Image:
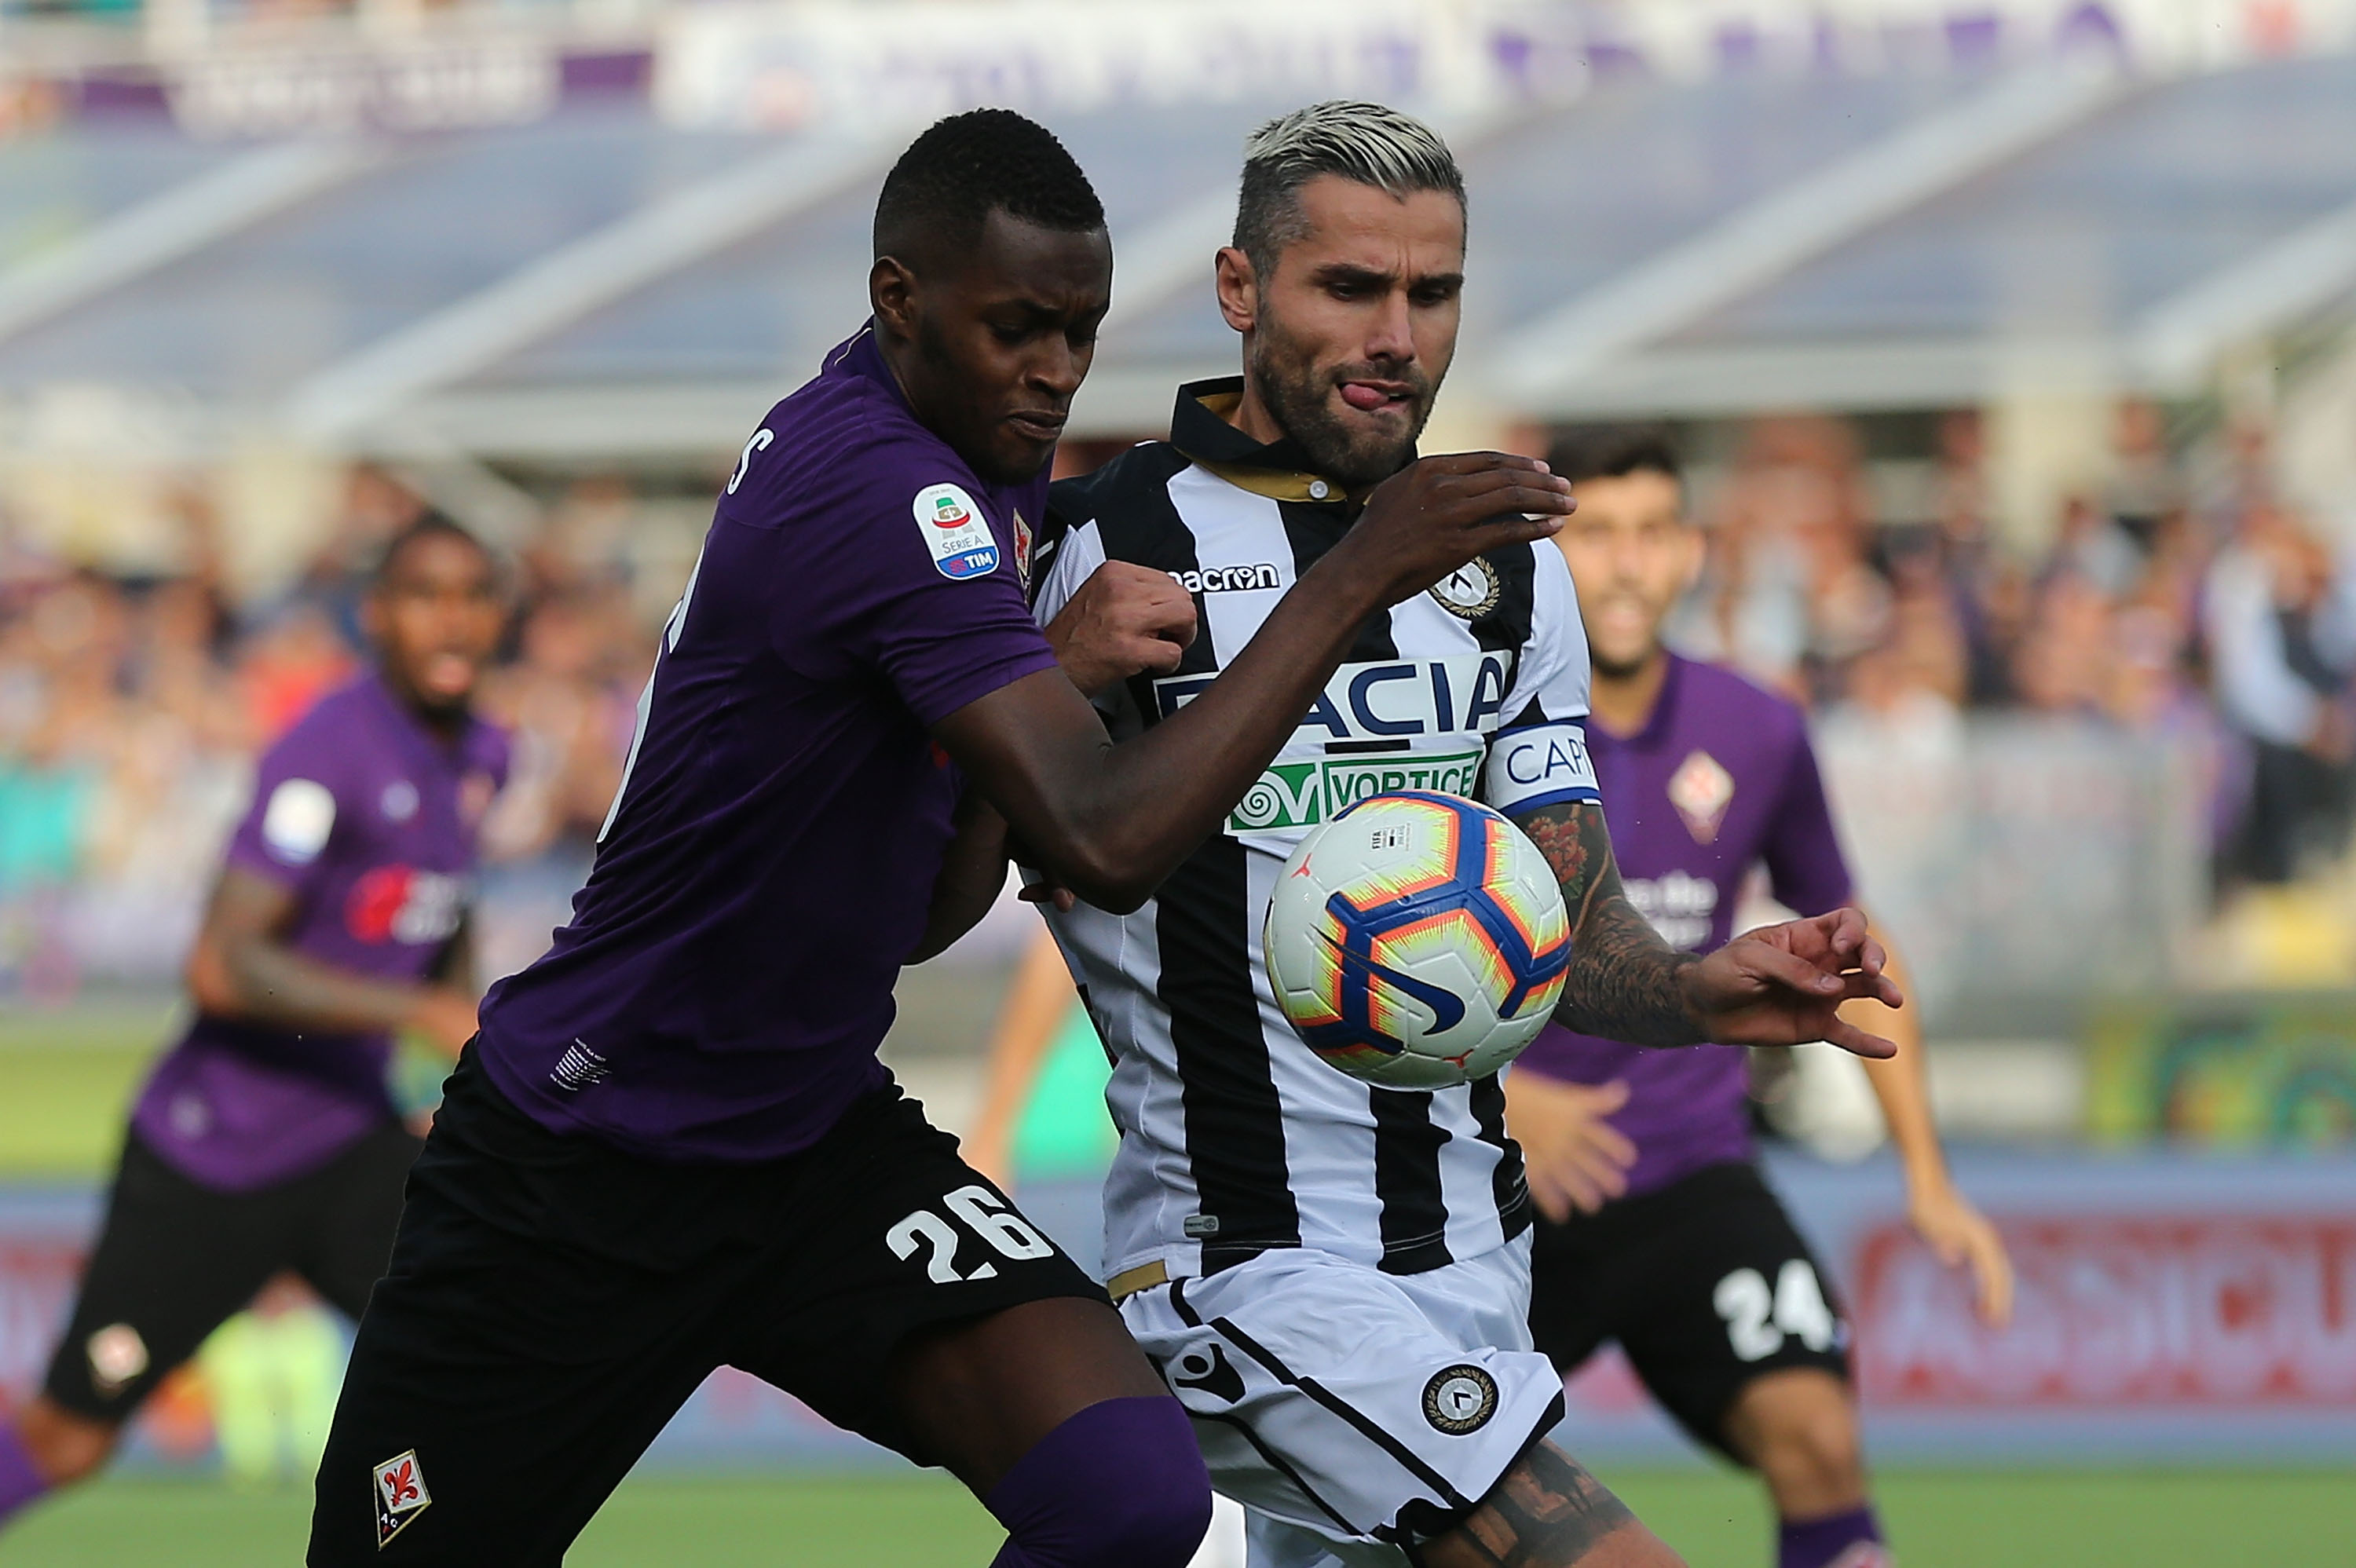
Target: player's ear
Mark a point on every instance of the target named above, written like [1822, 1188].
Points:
[891, 295]
[372, 614]
[1696, 554]
[1238, 289]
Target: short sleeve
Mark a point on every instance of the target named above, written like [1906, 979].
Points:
[1082, 552]
[1539, 757]
[299, 792]
[1804, 865]
[922, 587]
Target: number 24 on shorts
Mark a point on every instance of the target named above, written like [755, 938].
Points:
[1756, 1321]
[1007, 1233]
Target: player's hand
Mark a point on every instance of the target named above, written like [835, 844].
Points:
[1437, 513]
[1959, 1234]
[1125, 620]
[1784, 985]
[445, 1016]
[1575, 1157]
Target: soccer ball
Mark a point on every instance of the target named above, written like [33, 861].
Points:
[1416, 941]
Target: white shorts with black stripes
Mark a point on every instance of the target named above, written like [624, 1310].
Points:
[1348, 1409]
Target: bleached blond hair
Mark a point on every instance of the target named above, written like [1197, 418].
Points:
[1367, 143]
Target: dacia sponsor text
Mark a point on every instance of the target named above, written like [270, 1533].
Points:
[1388, 701]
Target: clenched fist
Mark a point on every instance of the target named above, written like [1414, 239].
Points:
[1125, 620]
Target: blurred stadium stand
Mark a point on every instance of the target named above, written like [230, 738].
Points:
[2011, 342]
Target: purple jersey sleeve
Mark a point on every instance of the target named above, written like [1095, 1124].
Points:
[299, 791]
[926, 593]
[1803, 854]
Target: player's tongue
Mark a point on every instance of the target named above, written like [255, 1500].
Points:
[1365, 398]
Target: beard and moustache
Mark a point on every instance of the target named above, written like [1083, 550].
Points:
[1284, 372]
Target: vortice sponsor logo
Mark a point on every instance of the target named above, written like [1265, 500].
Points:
[1302, 795]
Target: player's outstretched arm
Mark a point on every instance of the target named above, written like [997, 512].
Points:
[1111, 821]
[241, 967]
[1125, 620]
[1948, 1222]
[1780, 985]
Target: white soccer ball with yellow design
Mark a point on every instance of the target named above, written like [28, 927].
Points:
[1416, 941]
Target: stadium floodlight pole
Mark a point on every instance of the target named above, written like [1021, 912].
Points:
[175, 223]
[594, 270]
[2180, 337]
[1770, 236]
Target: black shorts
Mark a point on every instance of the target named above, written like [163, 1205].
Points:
[1706, 1285]
[553, 1302]
[176, 1257]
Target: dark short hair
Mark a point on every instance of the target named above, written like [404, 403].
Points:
[1367, 143]
[966, 167]
[1614, 451]
[429, 525]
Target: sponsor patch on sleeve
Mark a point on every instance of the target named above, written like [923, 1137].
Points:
[1545, 765]
[298, 821]
[956, 533]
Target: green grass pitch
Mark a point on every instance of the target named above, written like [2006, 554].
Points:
[65, 1079]
[1937, 1519]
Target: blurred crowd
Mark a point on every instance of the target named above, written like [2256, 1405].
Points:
[131, 709]
[2179, 598]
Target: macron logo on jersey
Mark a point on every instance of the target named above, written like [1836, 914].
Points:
[956, 533]
[1230, 578]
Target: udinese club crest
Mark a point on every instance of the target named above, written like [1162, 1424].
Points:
[1459, 1399]
[1470, 592]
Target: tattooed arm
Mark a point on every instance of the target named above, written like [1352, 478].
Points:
[1625, 980]
[1546, 1513]
[1780, 985]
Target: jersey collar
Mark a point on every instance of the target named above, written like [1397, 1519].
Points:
[1658, 722]
[425, 746]
[1279, 470]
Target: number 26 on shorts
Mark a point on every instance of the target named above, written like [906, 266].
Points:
[1005, 1231]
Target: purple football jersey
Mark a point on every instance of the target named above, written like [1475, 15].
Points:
[369, 817]
[771, 854]
[1720, 780]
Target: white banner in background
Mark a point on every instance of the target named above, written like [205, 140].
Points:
[779, 66]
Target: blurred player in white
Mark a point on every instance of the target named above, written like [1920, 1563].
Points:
[1657, 1230]
[1334, 1277]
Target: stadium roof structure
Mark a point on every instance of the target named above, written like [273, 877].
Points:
[600, 284]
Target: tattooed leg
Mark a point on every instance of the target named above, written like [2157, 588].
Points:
[1546, 1513]
[1625, 983]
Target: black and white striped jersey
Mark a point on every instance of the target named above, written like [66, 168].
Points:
[1233, 1138]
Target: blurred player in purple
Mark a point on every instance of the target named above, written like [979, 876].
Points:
[267, 1139]
[1658, 1230]
[671, 1147]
